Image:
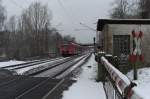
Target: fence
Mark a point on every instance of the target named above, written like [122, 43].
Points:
[116, 84]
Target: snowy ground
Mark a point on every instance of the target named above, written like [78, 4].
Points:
[86, 87]
[143, 82]
[11, 62]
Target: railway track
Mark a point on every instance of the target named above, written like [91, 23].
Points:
[29, 87]
[37, 72]
[18, 86]
[58, 68]
[49, 66]
[70, 67]
[5, 80]
[41, 88]
[37, 65]
[21, 68]
[23, 65]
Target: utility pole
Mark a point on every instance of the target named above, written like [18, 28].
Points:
[94, 45]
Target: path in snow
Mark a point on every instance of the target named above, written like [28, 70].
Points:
[86, 87]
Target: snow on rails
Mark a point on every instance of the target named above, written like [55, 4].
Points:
[21, 68]
[39, 67]
[27, 87]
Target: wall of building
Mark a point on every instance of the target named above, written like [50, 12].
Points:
[121, 29]
[106, 40]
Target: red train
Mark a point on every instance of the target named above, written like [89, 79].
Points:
[69, 49]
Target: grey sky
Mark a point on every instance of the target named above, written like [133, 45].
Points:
[67, 14]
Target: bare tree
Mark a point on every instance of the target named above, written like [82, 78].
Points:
[35, 22]
[2, 16]
[3, 35]
[55, 39]
[144, 9]
[31, 34]
[13, 39]
[125, 9]
[12, 24]
[120, 9]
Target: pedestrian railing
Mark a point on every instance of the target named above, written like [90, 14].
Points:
[116, 84]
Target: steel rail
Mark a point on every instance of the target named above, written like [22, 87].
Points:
[11, 81]
[22, 64]
[26, 63]
[70, 65]
[18, 78]
[35, 63]
[28, 92]
[69, 71]
[52, 66]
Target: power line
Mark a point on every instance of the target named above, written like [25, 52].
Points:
[27, 1]
[14, 2]
[74, 16]
[87, 26]
[84, 25]
[60, 3]
[65, 11]
[62, 6]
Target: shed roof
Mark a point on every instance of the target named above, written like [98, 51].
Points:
[102, 22]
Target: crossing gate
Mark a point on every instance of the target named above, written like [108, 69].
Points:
[116, 84]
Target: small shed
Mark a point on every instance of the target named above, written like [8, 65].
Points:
[115, 36]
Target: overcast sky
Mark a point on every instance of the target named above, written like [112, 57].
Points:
[68, 14]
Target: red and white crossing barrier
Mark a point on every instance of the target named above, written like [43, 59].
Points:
[123, 84]
[120, 79]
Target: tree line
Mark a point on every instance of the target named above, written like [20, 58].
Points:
[29, 34]
[129, 9]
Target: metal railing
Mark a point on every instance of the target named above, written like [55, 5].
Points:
[116, 84]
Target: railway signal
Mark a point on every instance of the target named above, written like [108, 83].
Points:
[137, 50]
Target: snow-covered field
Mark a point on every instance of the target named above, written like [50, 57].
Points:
[11, 62]
[143, 82]
[86, 87]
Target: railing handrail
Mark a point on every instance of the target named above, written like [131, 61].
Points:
[120, 79]
[123, 84]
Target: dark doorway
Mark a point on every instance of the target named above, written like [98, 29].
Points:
[121, 47]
